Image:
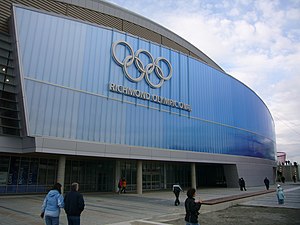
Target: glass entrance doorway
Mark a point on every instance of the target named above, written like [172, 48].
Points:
[92, 175]
[153, 176]
[210, 175]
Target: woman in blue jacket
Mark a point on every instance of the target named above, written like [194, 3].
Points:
[52, 204]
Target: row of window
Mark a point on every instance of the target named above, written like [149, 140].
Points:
[37, 175]
[26, 174]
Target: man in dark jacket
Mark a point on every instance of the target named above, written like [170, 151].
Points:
[242, 184]
[267, 183]
[192, 207]
[74, 205]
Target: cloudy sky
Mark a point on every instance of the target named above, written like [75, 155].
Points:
[258, 42]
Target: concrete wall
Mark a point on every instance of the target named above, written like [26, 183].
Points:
[255, 173]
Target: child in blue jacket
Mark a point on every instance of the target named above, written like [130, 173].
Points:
[280, 195]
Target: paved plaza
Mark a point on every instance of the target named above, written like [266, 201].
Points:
[149, 208]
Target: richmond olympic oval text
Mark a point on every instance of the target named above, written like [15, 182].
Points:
[149, 97]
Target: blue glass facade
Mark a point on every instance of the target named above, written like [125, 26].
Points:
[67, 67]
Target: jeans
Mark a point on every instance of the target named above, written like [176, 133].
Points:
[73, 220]
[51, 220]
[187, 223]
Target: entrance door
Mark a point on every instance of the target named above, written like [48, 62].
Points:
[210, 175]
[152, 180]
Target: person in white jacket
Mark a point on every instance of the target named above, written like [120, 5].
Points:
[176, 190]
[52, 204]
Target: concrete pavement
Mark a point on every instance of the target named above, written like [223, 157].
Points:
[150, 208]
[292, 198]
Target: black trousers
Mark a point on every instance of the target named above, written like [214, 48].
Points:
[177, 202]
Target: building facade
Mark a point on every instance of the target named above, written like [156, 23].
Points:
[92, 93]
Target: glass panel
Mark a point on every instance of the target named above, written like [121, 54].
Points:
[13, 175]
[153, 175]
[105, 170]
[51, 173]
[90, 181]
[13, 170]
[179, 172]
[42, 177]
[33, 171]
[92, 175]
[81, 172]
[74, 171]
[67, 185]
[23, 171]
[128, 171]
[4, 167]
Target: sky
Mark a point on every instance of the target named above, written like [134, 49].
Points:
[255, 41]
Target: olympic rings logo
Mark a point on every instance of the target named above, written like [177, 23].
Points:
[144, 70]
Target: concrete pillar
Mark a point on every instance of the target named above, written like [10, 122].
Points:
[193, 175]
[117, 174]
[139, 177]
[61, 171]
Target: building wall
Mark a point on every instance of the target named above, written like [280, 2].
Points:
[66, 69]
[255, 175]
[65, 66]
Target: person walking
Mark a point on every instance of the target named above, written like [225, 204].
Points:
[242, 184]
[267, 183]
[52, 204]
[124, 184]
[74, 205]
[294, 178]
[176, 190]
[120, 184]
[280, 195]
[192, 208]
